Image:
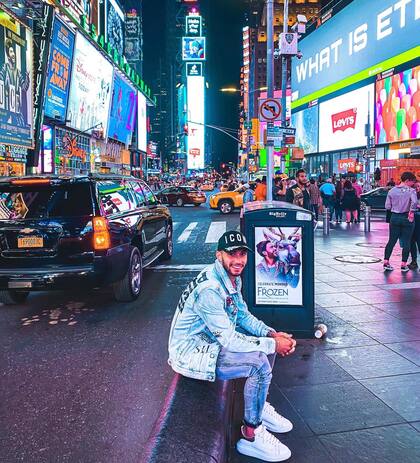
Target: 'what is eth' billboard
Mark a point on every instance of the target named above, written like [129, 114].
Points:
[16, 82]
[363, 39]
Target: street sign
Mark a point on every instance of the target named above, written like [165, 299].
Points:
[289, 139]
[269, 109]
[248, 125]
[369, 153]
[288, 43]
[274, 132]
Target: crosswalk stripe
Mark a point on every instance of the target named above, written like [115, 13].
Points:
[216, 230]
[175, 225]
[187, 232]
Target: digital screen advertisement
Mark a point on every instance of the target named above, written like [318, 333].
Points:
[363, 36]
[122, 116]
[90, 88]
[141, 122]
[278, 264]
[59, 70]
[16, 82]
[397, 107]
[194, 48]
[342, 119]
[196, 132]
[306, 124]
[114, 26]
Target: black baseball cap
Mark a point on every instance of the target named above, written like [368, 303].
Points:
[232, 240]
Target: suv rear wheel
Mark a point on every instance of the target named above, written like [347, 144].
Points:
[13, 297]
[225, 206]
[168, 249]
[128, 289]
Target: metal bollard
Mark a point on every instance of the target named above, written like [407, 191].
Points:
[326, 221]
[368, 212]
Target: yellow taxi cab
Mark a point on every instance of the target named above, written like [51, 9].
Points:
[227, 201]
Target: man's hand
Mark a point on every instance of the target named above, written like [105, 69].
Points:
[283, 339]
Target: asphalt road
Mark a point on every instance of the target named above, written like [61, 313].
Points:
[82, 378]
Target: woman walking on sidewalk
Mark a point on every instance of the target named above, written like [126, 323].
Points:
[402, 202]
[338, 209]
[349, 201]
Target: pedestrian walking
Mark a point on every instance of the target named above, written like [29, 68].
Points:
[248, 195]
[358, 189]
[415, 239]
[261, 189]
[298, 193]
[327, 191]
[338, 201]
[402, 204]
[315, 197]
[204, 344]
[350, 201]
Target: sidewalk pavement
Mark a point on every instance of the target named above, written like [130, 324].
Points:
[353, 396]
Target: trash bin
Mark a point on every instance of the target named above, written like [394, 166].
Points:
[278, 282]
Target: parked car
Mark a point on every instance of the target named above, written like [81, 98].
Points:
[180, 195]
[67, 233]
[375, 198]
[227, 201]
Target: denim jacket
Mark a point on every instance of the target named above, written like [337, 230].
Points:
[205, 320]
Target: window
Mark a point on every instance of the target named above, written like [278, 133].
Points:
[115, 197]
[138, 192]
[31, 202]
[150, 197]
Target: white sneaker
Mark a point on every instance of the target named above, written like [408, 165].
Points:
[273, 421]
[265, 446]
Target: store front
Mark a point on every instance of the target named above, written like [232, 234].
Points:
[71, 153]
[12, 161]
[110, 157]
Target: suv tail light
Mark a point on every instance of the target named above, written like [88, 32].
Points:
[101, 236]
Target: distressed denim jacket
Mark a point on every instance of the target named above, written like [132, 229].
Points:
[205, 320]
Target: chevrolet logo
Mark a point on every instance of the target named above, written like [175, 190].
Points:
[27, 230]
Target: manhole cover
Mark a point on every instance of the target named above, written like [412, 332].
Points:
[371, 245]
[358, 259]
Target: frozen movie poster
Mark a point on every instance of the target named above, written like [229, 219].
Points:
[90, 88]
[278, 266]
[16, 89]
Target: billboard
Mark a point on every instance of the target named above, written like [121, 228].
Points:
[16, 82]
[59, 69]
[194, 69]
[114, 26]
[193, 49]
[193, 26]
[141, 122]
[90, 88]
[397, 107]
[363, 36]
[196, 132]
[342, 120]
[278, 263]
[306, 124]
[123, 110]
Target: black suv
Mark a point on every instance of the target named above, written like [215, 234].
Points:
[65, 233]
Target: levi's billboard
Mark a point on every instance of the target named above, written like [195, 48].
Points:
[360, 37]
[342, 120]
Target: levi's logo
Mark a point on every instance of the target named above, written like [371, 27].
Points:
[344, 120]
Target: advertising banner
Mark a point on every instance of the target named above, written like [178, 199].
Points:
[342, 120]
[196, 132]
[133, 51]
[278, 263]
[114, 26]
[141, 122]
[59, 69]
[193, 26]
[306, 124]
[356, 43]
[397, 107]
[90, 88]
[16, 82]
[194, 48]
[123, 110]
[194, 69]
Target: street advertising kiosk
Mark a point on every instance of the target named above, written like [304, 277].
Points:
[278, 281]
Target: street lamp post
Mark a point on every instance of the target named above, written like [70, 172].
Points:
[270, 94]
[284, 61]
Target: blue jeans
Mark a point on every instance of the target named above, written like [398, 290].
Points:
[257, 368]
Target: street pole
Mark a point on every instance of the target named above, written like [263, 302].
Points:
[248, 143]
[270, 94]
[284, 60]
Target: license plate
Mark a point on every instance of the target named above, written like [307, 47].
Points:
[20, 284]
[31, 242]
